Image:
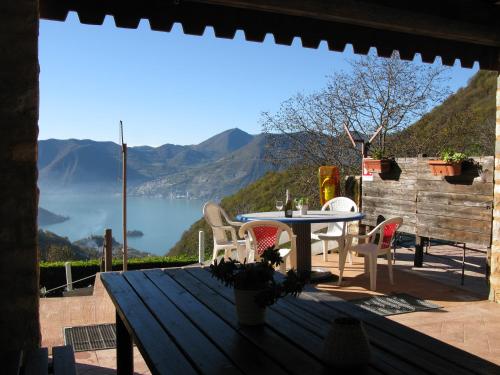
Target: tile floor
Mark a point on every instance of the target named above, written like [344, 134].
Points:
[467, 320]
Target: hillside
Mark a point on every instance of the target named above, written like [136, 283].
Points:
[45, 217]
[465, 122]
[216, 167]
[54, 248]
[258, 196]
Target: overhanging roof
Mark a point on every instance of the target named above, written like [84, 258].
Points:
[468, 30]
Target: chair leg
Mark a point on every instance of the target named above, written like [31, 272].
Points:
[389, 266]
[366, 263]
[214, 254]
[325, 250]
[282, 266]
[342, 258]
[373, 271]
[349, 255]
[241, 251]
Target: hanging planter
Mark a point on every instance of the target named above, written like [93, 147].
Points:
[442, 168]
[450, 163]
[378, 162]
[378, 165]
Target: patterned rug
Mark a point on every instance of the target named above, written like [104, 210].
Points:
[399, 303]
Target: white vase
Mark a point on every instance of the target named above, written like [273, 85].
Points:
[303, 209]
[247, 310]
[346, 344]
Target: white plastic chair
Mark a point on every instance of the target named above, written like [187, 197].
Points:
[336, 231]
[214, 215]
[261, 234]
[375, 246]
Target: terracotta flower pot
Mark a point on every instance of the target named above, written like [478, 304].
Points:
[378, 166]
[249, 313]
[346, 344]
[442, 168]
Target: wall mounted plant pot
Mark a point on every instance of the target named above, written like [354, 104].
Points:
[378, 166]
[248, 312]
[442, 168]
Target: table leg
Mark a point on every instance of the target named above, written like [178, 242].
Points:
[124, 349]
[419, 252]
[303, 233]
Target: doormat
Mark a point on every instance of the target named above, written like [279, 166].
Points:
[94, 337]
[400, 303]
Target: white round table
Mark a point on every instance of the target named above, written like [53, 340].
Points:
[301, 225]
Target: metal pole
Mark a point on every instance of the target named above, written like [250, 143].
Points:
[124, 204]
[463, 266]
[201, 247]
[69, 277]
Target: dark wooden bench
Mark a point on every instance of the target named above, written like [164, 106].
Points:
[36, 362]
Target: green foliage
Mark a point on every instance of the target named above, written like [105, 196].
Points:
[259, 196]
[465, 122]
[377, 153]
[52, 274]
[259, 276]
[450, 156]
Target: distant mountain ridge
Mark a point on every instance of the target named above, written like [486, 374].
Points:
[215, 167]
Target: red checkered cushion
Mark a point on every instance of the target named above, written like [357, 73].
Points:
[389, 231]
[265, 237]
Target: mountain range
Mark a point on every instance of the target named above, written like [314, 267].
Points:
[214, 168]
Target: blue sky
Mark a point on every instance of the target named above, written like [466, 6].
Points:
[170, 87]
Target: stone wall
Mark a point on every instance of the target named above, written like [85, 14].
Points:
[19, 320]
[495, 246]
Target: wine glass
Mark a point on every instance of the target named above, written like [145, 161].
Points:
[298, 204]
[279, 205]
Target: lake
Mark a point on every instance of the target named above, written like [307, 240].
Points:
[161, 220]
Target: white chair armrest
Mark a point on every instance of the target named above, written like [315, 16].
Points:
[329, 237]
[235, 223]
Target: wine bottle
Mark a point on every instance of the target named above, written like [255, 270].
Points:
[288, 205]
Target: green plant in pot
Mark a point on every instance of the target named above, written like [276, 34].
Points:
[255, 285]
[378, 161]
[448, 164]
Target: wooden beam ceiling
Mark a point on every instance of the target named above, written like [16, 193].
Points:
[465, 30]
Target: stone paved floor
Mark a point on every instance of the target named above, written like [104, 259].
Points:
[467, 320]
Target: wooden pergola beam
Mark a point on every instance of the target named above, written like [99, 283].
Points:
[458, 25]
[468, 36]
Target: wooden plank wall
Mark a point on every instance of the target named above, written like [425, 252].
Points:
[448, 208]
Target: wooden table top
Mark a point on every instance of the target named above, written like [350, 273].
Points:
[184, 322]
[312, 216]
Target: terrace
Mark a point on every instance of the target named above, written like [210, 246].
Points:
[466, 319]
[464, 30]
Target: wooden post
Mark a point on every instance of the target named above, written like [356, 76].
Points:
[495, 235]
[418, 260]
[124, 201]
[108, 250]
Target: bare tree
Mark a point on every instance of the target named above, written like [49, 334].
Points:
[388, 93]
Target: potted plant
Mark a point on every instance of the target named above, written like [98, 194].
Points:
[378, 162]
[449, 164]
[254, 284]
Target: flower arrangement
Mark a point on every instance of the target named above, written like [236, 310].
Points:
[259, 276]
